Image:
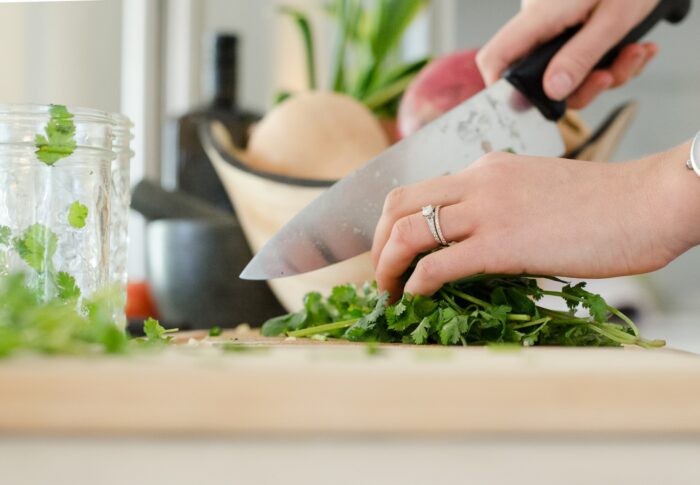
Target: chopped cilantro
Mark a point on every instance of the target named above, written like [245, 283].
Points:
[5, 235]
[77, 215]
[59, 141]
[155, 332]
[56, 327]
[67, 287]
[37, 247]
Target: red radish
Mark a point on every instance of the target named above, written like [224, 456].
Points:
[440, 86]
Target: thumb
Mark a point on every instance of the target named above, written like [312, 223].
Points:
[606, 27]
[515, 39]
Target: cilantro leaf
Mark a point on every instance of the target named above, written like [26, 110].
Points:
[155, 332]
[597, 307]
[423, 305]
[59, 141]
[66, 285]
[343, 295]
[5, 235]
[316, 310]
[575, 292]
[282, 324]
[420, 334]
[366, 323]
[37, 247]
[451, 332]
[578, 295]
[401, 315]
[77, 215]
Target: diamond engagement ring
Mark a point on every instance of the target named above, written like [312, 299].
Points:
[432, 216]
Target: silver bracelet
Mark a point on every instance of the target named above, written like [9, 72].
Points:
[693, 162]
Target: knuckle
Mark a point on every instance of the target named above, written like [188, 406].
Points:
[490, 158]
[394, 200]
[579, 65]
[483, 58]
[428, 270]
[402, 233]
[380, 274]
[493, 170]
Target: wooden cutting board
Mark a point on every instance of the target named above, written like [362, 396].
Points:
[304, 386]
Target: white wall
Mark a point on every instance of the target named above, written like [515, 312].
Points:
[65, 52]
[270, 52]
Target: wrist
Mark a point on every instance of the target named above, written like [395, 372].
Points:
[675, 194]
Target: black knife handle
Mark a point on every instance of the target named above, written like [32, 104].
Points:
[527, 74]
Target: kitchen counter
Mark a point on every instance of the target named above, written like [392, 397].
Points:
[276, 410]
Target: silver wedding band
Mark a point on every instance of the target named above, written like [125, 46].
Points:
[432, 216]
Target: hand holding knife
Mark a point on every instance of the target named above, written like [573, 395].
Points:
[512, 114]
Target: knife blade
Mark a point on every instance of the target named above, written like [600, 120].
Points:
[512, 114]
[340, 223]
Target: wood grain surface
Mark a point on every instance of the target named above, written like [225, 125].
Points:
[273, 386]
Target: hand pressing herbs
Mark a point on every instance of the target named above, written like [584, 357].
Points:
[479, 310]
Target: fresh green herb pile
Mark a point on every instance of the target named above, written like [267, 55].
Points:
[479, 310]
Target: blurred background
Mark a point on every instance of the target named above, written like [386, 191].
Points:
[154, 61]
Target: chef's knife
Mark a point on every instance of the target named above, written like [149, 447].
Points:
[512, 114]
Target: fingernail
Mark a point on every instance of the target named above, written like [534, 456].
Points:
[560, 85]
[638, 60]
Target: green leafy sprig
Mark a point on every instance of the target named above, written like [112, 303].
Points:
[59, 139]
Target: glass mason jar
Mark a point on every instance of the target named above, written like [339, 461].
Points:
[121, 201]
[56, 198]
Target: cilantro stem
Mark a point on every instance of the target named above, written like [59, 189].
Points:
[450, 301]
[614, 336]
[611, 309]
[531, 323]
[545, 322]
[518, 317]
[328, 327]
[469, 298]
[625, 319]
[562, 316]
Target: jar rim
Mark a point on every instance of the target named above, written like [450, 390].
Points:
[83, 151]
[119, 124]
[84, 115]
